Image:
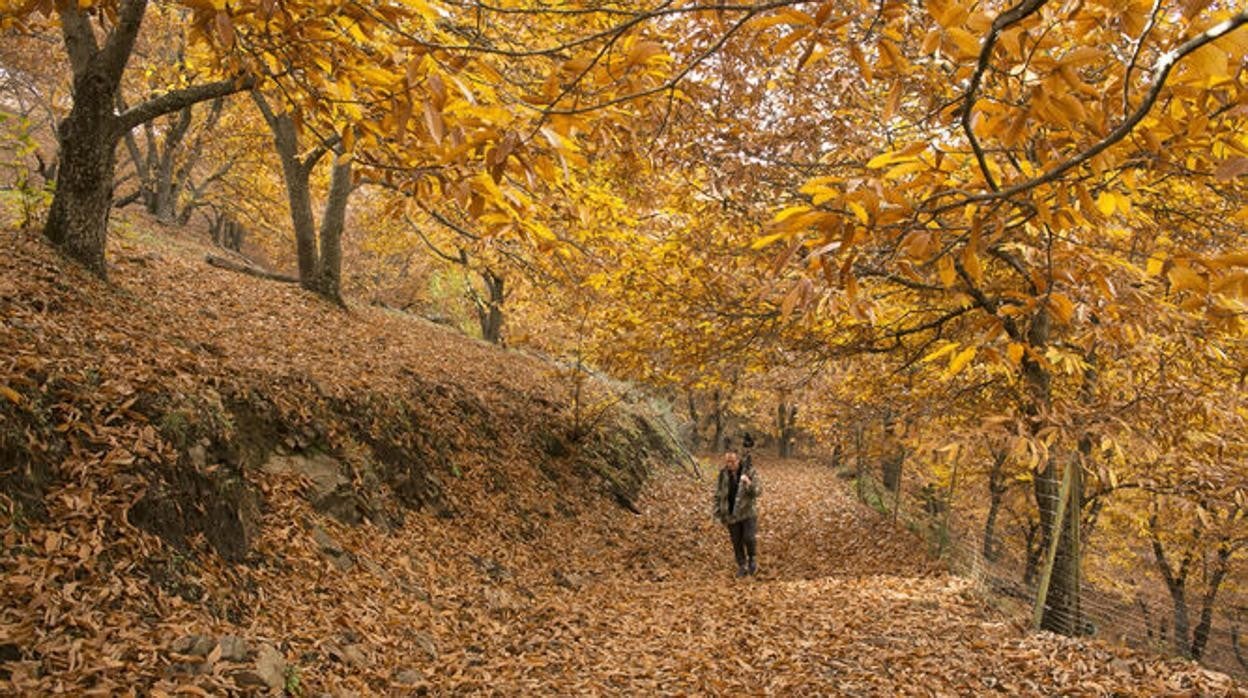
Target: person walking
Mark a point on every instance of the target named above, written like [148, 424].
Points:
[736, 493]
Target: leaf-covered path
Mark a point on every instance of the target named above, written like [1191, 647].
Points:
[844, 605]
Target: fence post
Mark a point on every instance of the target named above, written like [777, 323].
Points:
[1055, 534]
[1075, 523]
[953, 486]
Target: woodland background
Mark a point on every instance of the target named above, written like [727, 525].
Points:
[986, 261]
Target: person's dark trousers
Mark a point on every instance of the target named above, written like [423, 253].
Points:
[743, 540]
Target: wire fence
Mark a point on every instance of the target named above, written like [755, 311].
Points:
[1137, 610]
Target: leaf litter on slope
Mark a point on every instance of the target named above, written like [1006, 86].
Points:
[514, 595]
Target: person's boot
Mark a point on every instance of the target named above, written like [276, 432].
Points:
[742, 570]
[753, 567]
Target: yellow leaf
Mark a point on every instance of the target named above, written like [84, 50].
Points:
[1106, 202]
[890, 158]
[817, 52]
[1155, 265]
[1209, 61]
[957, 363]
[859, 212]
[1235, 259]
[904, 169]
[766, 240]
[790, 300]
[790, 212]
[348, 140]
[966, 42]
[1184, 278]
[1015, 351]
[1203, 514]
[1062, 307]
[970, 262]
[12, 395]
[948, 275]
[947, 349]
[433, 121]
[643, 51]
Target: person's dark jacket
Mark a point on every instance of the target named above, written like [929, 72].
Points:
[745, 506]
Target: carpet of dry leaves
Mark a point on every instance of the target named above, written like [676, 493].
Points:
[538, 584]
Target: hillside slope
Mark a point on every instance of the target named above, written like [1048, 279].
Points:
[175, 439]
[215, 484]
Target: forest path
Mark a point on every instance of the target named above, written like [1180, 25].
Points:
[844, 604]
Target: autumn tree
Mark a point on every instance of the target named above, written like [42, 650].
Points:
[994, 208]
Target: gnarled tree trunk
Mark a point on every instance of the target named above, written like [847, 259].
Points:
[489, 307]
[786, 427]
[996, 491]
[320, 271]
[78, 220]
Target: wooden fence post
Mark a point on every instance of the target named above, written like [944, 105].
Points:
[1055, 534]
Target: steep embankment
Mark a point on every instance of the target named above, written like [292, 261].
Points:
[191, 451]
[361, 504]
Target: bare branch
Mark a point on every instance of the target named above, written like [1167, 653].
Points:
[177, 99]
[1015, 14]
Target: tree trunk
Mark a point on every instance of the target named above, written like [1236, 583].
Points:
[786, 419]
[893, 458]
[1062, 605]
[234, 233]
[1061, 609]
[165, 203]
[299, 196]
[996, 491]
[694, 435]
[1235, 645]
[216, 228]
[1035, 551]
[78, 219]
[319, 271]
[181, 181]
[1176, 584]
[329, 273]
[1200, 636]
[717, 418]
[490, 308]
[1182, 622]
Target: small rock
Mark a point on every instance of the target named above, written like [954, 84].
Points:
[9, 652]
[427, 645]
[354, 654]
[500, 601]
[1120, 665]
[193, 645]
[249, 678]
[327, 544]
[490, 567]
[198, 456]
[343, 560]
[189, 669]
[373, 567]
[571, 582]
[233, 648]
[271, 667]
[409, 677]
